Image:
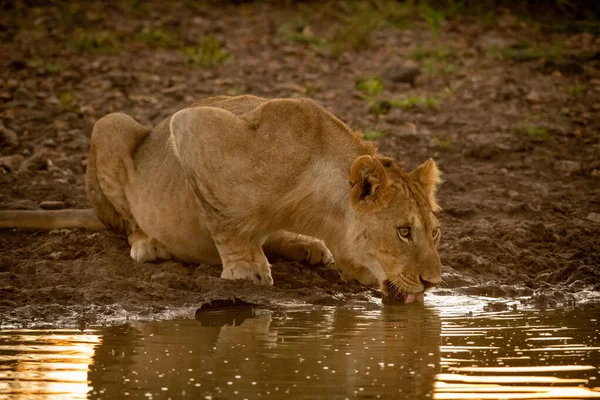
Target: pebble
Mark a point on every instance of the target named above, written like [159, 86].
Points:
[533, 97]
[8, 137]
[12, 163]
[22, 94]
[567, 167]
[595, 217]
[21, 205]
[49, 143]
[52, 205]
[402, 73]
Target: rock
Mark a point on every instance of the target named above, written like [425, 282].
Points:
[49, 143]
[493, 42]
[533, 97]
[485, 148]
[595, 217]
[11, 163]
[567, 167]
[52, 205]
[402, 73]
[8, 137]
[495, 306]
[21, 205]
[22, 94]
[38, 161]
[565, 68]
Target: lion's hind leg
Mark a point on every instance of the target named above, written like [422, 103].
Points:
[115, 138]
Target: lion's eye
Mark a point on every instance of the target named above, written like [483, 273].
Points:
[436, 232]
[404, 232]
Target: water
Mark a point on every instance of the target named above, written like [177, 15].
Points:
[444, 350]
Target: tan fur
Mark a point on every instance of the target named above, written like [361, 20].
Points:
[230, 178]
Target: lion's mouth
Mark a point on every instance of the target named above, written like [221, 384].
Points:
[393, 295]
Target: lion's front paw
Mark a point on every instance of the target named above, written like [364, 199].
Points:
[144, 250]
[258, 273]
[311, 251]
[358, 272]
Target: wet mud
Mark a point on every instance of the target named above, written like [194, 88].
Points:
[518, 143]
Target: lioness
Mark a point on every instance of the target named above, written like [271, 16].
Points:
[229, 179]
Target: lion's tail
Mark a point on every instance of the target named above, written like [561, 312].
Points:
[55, 219]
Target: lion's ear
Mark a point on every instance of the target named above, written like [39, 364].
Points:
[368, 179]
[428, 175]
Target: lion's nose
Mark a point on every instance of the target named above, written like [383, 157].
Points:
[427, 284]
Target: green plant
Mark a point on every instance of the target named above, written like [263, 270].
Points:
[371, 134]
[90, 41]
[52, 68]
[354, 23]
[157, 37]
[208, 53]
[577, 89]
[438, 53]
[434, 18]
[431, 102]
[67, 102]
[414, 101]
[371, 86]
[311, 89]
[443, 143]
[525, 51]
[534, 131]
[235, 90]
[299, 31]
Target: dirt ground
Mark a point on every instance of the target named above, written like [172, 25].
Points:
[509, 109]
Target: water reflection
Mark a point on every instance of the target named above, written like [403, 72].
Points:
[329, 354]
[519, 356]
[45, 364]
[411, 352]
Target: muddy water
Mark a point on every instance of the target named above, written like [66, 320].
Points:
[444, 350]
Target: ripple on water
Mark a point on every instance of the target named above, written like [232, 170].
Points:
[446, 350]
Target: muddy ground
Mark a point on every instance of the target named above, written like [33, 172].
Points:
[509, 107]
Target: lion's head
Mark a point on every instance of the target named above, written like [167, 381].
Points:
[395, 232]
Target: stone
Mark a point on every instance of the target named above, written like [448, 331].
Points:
[8, 137]
[21, 205]
[533, 97]
[402, 73]
[52, 205]
[594, 217]
[11, 163]
[567, 167]
[22, 94]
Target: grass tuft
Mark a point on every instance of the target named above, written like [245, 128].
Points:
[443, 143]
[534, 131]
[372, 134]
[209, 53]
[578, 89]
[89, 41]
[524, 51]
[371, 86]
[157, 37]
[414, 101]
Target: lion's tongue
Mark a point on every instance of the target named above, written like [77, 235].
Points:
[411, 297]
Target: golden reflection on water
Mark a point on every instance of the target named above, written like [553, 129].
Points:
[45, 364]
[495, 357]
[325, 353]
